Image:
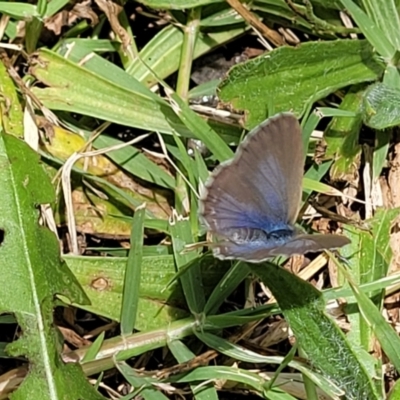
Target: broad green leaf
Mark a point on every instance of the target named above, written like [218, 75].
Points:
[160, 302]
[73, 88]
[381, 106]
[293, 77]
[32, 274]
[102, 279]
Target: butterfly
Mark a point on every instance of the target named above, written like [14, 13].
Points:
[251, 203]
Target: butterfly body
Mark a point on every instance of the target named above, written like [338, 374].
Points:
[251, 202]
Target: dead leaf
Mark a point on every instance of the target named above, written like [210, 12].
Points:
[81, 10]
[112, 11]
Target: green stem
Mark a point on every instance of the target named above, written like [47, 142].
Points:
[191, 31]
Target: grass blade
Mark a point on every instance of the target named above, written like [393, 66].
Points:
[132, 279]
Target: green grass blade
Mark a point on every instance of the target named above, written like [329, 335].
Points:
[230, 281]
[132, 279]
[200, 129]
[386, 335]
[94, 348]
[145, 386]
[233, 374]
[380, 154]
[240, 353]
[183, 354]
[191, 280]
[375, 35]
[386, 16]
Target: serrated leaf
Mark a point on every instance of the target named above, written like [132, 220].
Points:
[31, 274]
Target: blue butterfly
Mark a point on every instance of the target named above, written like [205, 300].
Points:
[251, 203]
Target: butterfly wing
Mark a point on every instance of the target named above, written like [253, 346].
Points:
[254, 251]
[260, 188]
[249, 252]
[302, 244]
[252, 201]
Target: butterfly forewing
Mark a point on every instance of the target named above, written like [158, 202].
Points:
[261, 186]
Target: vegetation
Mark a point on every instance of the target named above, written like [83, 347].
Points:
[110, 125]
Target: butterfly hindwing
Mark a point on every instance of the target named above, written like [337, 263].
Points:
[303, 243]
